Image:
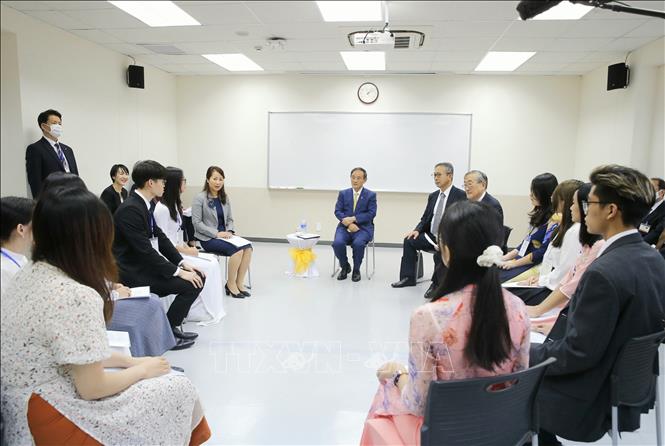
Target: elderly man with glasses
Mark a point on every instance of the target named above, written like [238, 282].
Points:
[424, 236]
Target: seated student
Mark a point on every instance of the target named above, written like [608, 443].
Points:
[209, 306]
[115, 194]
[55, 348]
[620, 296]
[144, 319]
[656, 215]
[15, 236]
[423, 237]
[471, 328]
[355, 209]
[561, 252]
[475, 186]
[145, 255]
[213, 223]
[542, 228]
[542, 300]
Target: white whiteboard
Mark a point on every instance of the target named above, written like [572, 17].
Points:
[310, 150]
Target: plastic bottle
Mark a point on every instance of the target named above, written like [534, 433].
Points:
[303, 226]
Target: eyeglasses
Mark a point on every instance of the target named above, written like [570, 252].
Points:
[585, 205]
[436, 175]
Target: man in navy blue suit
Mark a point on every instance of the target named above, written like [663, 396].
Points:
[355, 210]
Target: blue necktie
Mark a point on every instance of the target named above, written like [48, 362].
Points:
[61, 157]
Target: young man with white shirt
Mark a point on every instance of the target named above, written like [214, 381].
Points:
[651, 225]
[620, 296]
[15, 236]
[48, 155]
[145, 256]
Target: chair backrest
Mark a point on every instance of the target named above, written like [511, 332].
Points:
[482, 411]
[634, 373]
[506, 235]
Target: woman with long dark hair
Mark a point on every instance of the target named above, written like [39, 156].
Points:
[542, 229]
[208, 307]
[548, 303]
[214, 228]
[55, 389]
[472, 328]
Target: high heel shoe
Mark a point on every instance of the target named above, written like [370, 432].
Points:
[229, 293]
[244, 292]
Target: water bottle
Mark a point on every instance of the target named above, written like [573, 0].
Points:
[303, 227]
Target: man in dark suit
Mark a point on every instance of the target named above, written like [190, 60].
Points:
[620, 296]
[424, 236]
[48, 155]
[145, 256]
[475, 186]
[656, 215]
[355, 210]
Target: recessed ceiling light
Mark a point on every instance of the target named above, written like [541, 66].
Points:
[157, 13]
[364, 60]
[565, 11]
[350, 11]
[503, 60]
[233, 62]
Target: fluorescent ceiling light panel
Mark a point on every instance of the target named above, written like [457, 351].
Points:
[351, 11]
[565, 11]
[233, 62]
[503, 60]
[364, 60]
[157, 13]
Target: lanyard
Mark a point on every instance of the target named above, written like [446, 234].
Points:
[4, 253]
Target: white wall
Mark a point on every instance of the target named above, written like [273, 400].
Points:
[624, 126]
[10, 111]
[522, 126]
[104, 121]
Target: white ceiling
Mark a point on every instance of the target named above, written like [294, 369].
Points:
[457, 35]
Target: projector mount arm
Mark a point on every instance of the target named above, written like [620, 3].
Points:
[609, 4]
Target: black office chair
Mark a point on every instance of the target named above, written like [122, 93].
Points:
[482, 411]
[506, 235]
[634, 380]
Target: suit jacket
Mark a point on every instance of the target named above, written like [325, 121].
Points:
[204, 217]
[653, 220]
[424, 226]
[365, 209]
[620, 296]
[111, 198]
[41, 160]
[494, 203]
[133, 252]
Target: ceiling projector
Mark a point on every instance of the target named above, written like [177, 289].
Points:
[374, 41]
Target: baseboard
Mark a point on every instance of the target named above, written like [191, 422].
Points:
[321, 242]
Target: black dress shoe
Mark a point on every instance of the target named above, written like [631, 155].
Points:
[240, 295]
[182, 344]
[245, 293]
[407, 281]
[343, 274]
[355, 276]
[430, 291]
[188, 335]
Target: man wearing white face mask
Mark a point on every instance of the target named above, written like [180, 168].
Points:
[48, 155]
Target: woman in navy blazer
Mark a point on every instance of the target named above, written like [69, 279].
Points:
[355, 210]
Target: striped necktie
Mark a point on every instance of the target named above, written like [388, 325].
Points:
[61, 157]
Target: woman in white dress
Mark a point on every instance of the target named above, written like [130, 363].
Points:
[209, 306]
[54, 348]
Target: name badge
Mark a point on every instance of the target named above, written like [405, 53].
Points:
[524, 247]
[155, 243]
[645, 228]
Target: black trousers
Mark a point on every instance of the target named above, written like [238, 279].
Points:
[185, 293]
[531, 296]
[410, 250]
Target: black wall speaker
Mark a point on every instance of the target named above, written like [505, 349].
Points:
[135, 76]
[617, 76]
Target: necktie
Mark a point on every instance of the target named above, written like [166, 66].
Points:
[438, 213]
[61, 157]
[153, 205]
[355, 200]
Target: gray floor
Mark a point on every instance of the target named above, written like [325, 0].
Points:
[295, 363]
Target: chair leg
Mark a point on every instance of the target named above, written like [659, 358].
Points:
[615, 426]
[534, 439]
[659, 417]
[226, 269]
[249, 278]
[334, 269]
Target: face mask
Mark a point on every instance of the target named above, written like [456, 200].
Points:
[56, 130]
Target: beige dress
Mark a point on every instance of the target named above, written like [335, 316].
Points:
[49, 321]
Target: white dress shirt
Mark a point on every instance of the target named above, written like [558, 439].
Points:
[558, 261]
[614, 238]
[9, 268]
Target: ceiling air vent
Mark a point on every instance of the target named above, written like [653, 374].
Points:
[162, 49]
